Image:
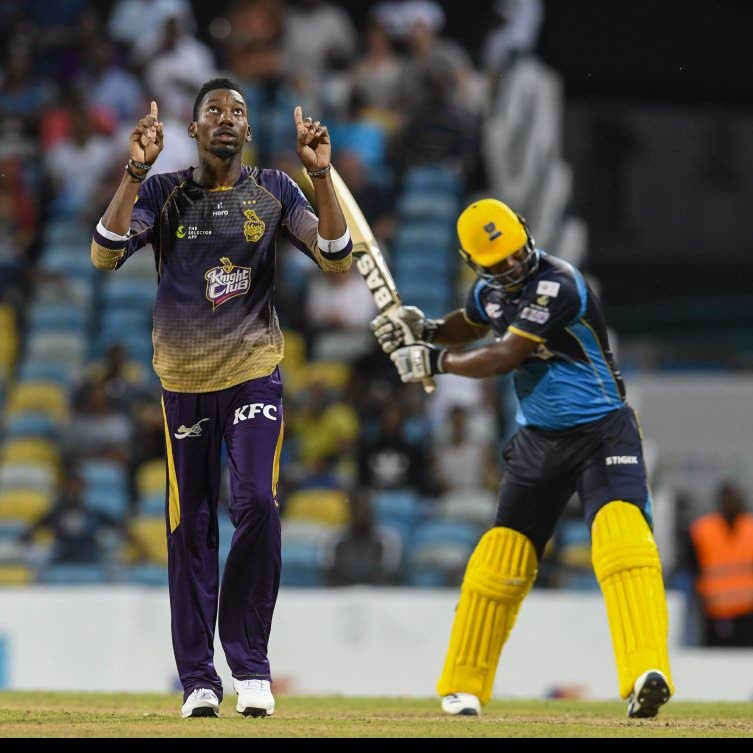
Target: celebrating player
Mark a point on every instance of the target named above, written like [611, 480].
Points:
[217, 345]
[576, 433]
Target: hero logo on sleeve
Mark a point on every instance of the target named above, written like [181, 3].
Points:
[247, 412]
[226, 281]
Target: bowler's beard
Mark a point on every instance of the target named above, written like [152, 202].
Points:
[224, 151]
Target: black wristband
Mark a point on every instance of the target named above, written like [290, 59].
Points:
[430, 329]
[319, 173]
[139, 165]
[435, 360]
[134, 177]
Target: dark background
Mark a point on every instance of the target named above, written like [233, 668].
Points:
[697, 51]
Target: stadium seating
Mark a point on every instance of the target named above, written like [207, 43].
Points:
[47, 371]
[399, 509]
[308, 531]
[29, 425]
[301, 564]
[144, 575]
[39, 396]
[110, 502]
[429, 205]
[150, 532]
[326, 506]
[66, 231]
[294, 363]
[68, 261]
[27, 476]
[55, 317]
[332, 374]
[476, 506]
[8, 341]
[30, 451]
[365, 138]
[10, 530]
[57, 347]
[16, 575]
[104, 475]
[429, 235]
[74, 575]
[432, 178]
[129, 293]
[151, 504]
[226, 529]
[151, 478]
[24, 504]
[440, 551]
[574, 544]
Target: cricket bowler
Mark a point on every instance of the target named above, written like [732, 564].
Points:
[217, 346]
[576, 433]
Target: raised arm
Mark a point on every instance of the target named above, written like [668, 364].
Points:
[145, 145]
[315, 151]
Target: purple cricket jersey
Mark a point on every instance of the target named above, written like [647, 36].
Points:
[215, 325]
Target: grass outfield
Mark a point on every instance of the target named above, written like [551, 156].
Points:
[151, 715]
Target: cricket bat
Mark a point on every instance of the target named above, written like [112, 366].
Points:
[369, 260]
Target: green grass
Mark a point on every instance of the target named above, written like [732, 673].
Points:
[151, 715]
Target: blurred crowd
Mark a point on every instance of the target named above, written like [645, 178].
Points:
[379, 484]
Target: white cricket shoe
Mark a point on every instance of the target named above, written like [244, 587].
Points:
[461, 704]
[254, 697]
[202, 702]
[650, 692]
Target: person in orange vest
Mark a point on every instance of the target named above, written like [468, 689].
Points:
[722, 559]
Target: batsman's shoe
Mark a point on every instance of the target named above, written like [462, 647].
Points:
[650, 693]
[254, 697]
[202, 702]
[461, 704]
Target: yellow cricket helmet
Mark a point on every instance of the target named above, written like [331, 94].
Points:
[489, 231]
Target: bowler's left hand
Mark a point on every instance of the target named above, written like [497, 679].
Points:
[313, 146]
[418, 361]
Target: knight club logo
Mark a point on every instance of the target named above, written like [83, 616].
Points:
[226, 281]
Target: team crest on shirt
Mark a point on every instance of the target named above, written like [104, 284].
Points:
[226, 281]
[253, 227]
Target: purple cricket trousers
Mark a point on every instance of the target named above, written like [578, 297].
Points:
[249, 418]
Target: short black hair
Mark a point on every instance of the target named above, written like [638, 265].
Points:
[211, 85]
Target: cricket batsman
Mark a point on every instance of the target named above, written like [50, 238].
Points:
[576, 432]
[217, 346]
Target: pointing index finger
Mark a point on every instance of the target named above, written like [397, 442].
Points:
[154, 110]
[298, 117]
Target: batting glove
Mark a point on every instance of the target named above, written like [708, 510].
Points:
[418, 361]
[403, 326]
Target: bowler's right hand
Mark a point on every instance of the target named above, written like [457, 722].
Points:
[147, 138]
[403, 326]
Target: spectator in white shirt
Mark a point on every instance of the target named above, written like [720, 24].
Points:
[319, 36]
[138, 24]
[339, 301]
[77, 163]
[104, 83]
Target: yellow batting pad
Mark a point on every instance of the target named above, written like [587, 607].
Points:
[499, 574]
[627, 566]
